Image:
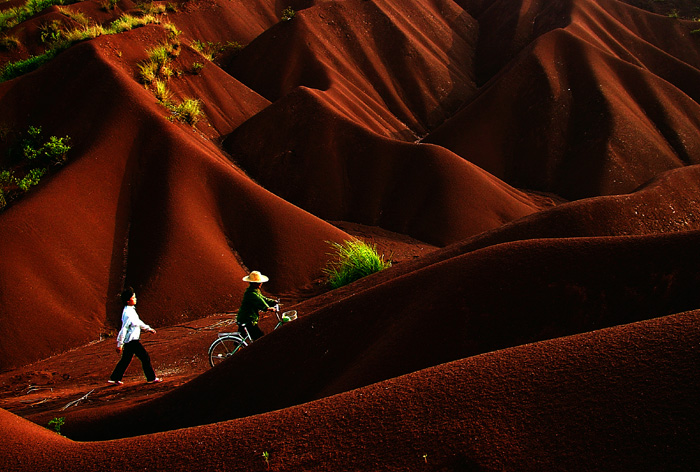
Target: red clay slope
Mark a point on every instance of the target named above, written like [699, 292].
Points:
[430, 364]
[501, 296]
[142, 201]
[594, 108]
[667, 204]
[325, 157]
[622, 398]
[396, 68]
[338, 170]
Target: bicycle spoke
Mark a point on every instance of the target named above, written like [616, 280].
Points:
[222, 349]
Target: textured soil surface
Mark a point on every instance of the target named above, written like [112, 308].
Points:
[530, 167]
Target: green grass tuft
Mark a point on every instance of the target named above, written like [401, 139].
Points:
[161, 91]
[353, 260]
[189, 111]
[9, 43]
[15, 69]
[16, 15]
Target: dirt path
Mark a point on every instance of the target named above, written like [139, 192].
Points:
[44, 390]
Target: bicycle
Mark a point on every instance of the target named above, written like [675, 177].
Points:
[227, 344]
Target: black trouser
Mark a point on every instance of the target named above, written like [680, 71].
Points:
[130, 349]
[254, 331]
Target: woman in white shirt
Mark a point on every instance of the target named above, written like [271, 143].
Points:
[128, 343]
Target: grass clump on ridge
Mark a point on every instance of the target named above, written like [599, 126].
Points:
[15, 69]
[76, 16]
[9, 43]
[16, 15]
[353, 260]
[62, 40]
[212, 51]
[158, 64]
[189, 111]
[155, 72]
[288, 14]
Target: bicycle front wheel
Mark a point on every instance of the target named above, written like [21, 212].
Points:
[223, 348]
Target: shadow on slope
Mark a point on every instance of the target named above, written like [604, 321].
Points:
[127, 210]
[606, 131]
[301, 149]
[501, 296]
[541, 406]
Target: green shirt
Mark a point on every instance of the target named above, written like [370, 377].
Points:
[253, 302]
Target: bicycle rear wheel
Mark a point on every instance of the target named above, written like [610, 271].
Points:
[223, 348]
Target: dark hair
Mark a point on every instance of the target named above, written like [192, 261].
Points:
[126, 295]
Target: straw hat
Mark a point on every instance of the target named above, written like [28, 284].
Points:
[255, 277]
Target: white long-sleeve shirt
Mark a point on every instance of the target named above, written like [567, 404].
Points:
[131, 326]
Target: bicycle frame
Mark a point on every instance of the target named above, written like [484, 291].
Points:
[227, 344]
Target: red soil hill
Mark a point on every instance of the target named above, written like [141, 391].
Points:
[338, 170]
[385, 65]
[541, 337]
[596, 107]
[142, 201]
[622, 398]
[501, 296]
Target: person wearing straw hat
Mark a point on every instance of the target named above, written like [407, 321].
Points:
[253, 303]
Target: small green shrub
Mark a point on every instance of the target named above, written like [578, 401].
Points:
[152, 8]
[51, 32]
[33, 156]
[148, 71]
[212, 51]
[207, 49]
[288, 14]
[81, 34]
[166, 71]
[56, 423]
[6, 177]
[353, 260]
[159, 54]
[197, 67]
[31, 179]
[56, 149]
[234, 46]
[158, 63]
[52, 151]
